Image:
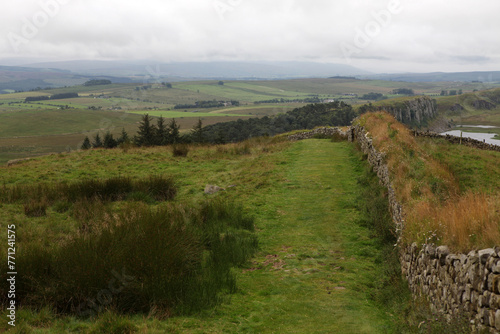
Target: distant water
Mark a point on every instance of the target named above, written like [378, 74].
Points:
[478, 126]
[486, 137]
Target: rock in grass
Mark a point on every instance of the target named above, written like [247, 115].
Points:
[16, 161]
[212, 189]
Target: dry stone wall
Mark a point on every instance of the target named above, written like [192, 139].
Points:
[466, 285]
[377, 161]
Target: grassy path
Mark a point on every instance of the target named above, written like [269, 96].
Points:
[317, 268]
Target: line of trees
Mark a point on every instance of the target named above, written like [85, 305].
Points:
[96, 82]
[320, 114]
[374, 96]
[207, 104]
[451, 92]
[149, 134]
[53, 97]
[107, 142]
[404, 91]
[314, 99]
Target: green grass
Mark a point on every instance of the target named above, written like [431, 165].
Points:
[471, 115]
[188, 113]
[317, 270]
[475, 170]
[56, 122]
[242, 91]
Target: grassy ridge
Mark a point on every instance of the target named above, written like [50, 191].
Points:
[481, 107]
[450, 193]
[318, 269]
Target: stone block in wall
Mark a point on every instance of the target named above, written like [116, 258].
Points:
[452, 258]
[492, 261]
[493, 283]
[485, 254]
[473, 298]
[442, 271]
[472, 257]
[494, 301]
[484, 299]
[491, 321]
[497, 320]
[490, 314]
[495, 268]
[441, 253]
[454, 292]
[430, 250]
[467, 293]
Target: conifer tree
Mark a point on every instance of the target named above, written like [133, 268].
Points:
[109, 141]
[97, 141]
[197, 132]
[146, 133]
[123, 137]
[173, 129]
[86, 144]
[162, 132]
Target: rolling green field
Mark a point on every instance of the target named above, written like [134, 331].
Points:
[28, 129]
[58, 122]
[318, 269]
[187, 113]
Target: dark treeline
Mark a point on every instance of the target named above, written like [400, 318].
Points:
[207, 104]
[374, 96]
[404, 91]
[96, 82]
[148, 134]
[53, 97]
[314, 99]
[307, 117]
[161, 133]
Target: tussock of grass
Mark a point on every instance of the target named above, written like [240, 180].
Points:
[171, 260]
[439, 209]
[180, 150]
[111, 189]
[35, 208]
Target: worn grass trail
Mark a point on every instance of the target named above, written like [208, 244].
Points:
[316, 269]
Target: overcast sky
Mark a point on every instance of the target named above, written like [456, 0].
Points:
[375, 35]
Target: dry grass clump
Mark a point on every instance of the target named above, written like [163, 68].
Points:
[415, 174]
[463, 223]
[436, 209]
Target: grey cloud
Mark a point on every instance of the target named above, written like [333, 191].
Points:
[423, 35]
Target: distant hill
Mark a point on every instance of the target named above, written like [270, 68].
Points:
[490, 76]
[16, 78]
[205, 70]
